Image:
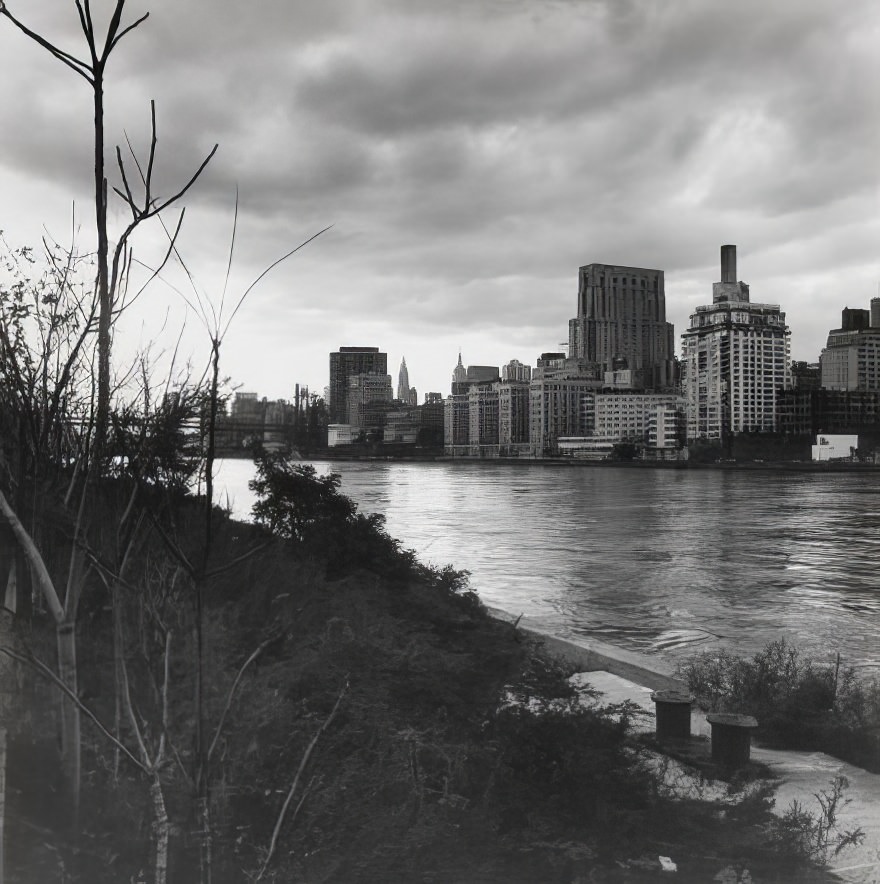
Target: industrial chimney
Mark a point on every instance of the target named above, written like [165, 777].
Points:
[728, 263]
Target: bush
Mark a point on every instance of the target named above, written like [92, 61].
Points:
[308, 510]
[798, 703]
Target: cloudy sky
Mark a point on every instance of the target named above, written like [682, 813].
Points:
[470, 155]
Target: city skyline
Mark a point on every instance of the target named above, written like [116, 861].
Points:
[471, 159]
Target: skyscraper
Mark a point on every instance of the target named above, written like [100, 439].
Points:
[405, 393]
[621, 323]
[735, 360]
[347, 363]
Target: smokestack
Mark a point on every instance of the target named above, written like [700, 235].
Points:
[728, 263]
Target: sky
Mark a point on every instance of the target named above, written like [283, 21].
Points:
[470, 155]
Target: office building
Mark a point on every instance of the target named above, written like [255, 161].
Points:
[369, 400]
[735, 360]
[621, 324]
[851, 358]
[345, 364]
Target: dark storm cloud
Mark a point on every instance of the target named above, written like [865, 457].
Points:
[473, 154]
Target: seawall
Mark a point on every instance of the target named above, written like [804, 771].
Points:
[588, 655]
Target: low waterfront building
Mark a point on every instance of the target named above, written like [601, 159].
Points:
[341, 434]
[830, 447]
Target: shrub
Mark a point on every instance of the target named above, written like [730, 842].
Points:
[798, 703]
[307, 509]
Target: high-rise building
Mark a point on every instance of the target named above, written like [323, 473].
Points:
[347, 363]
[621, 324]
[735, 360]
[851, 358]
[369, 400]
[459, 373]
[406, 394]
[516, 371]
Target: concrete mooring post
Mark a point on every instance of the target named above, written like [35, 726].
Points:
[673, 713]
[731, 738]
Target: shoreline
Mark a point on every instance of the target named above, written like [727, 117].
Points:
[590, 655]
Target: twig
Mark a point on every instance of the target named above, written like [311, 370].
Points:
[302, 765]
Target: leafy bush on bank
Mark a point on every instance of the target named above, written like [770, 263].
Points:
[799, 703]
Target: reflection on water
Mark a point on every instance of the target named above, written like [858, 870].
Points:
[660, 561]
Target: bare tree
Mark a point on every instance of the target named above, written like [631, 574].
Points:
[93, 69]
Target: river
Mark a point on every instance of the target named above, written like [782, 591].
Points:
[665, 562]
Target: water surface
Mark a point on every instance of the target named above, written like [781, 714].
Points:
[664, 562]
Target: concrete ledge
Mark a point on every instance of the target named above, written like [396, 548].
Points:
[591, 656]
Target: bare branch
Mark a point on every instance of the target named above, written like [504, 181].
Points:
[222, 569]
[126, 30]
[228, 265]
[302, 766]
[270, 267]
[74, 63]
[229, 697]
[47, 673]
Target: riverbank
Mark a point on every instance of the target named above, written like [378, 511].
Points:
[412, 736]
[798, 777]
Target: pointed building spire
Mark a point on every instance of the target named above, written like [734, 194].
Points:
[459, 374]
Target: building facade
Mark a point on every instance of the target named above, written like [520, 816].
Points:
[621, 324]
[851, 358]
[557, 401]
[369, 400]
[344, 364]
[735, 360]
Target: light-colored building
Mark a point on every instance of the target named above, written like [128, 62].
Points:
[851, 358]
[516, 371]
[483, 420]
[557, 397]
[835, 447]
[456, 424]
[628, 416]
[341, 434]
[513, 418]
[735, 360]
[654, 422]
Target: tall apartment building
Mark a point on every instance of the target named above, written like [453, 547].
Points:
[347, 363]
[621, 324]
[851, 358]
[735, 360]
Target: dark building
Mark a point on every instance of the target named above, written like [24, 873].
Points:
[621, 323]
[806, 375]
[474, 374]
[813, 411]
[346, 364]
